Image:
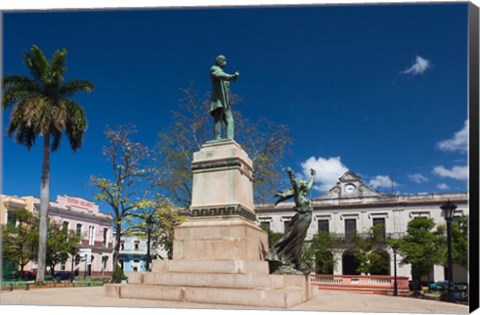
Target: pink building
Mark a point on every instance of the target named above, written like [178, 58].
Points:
[85, 218]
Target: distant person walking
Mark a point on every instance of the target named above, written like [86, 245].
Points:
[220, 106]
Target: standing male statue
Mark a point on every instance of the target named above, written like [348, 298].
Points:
[220, 106]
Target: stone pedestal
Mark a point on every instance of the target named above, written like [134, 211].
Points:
[222, 181]
[218, 253]
[219, 238]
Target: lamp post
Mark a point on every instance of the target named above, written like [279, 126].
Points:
[448, 210]
[149, 222]
[395, 284]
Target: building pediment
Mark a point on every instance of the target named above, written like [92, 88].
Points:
[350, 185]
[349, 177]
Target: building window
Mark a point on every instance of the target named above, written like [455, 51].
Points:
[379, 229]
[122, 245]
[422, 214]
[79, 229]
[105, 237]
[323, 226]
[136, 262]
[137, 245]
[11, 218]
[91, 235]
[285, 225]
[350, 228]
[65, 225]
[104, 263]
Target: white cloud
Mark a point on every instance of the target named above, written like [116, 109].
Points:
[380, 181]
[443, 186]
[328, 170]
[418, 178]
[418, 67]
[457, 172]
[459, 141]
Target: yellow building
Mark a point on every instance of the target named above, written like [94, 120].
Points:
[13, 202]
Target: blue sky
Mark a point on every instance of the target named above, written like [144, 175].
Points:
[376, 89]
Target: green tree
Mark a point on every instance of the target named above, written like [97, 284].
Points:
[318, 254]
[265, 142]
[369, 252]
[132, 179]
[20, 241]
[62, 242]
[42, 106]
[422, 247]
[166, 217]
[273, 237]
[459, 240]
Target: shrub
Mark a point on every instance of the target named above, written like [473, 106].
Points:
[118, 275]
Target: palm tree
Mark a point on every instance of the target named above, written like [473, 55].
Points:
[42, 106]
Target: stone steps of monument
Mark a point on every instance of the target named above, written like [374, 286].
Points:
[276, 298]
[216, 280]
[211, 266]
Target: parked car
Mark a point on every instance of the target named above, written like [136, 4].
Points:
[459, 290]
[63, 275]
[9, 276]
[19, 275]
[25, 275]
[438, 286]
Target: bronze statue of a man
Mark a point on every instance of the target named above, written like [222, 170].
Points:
[220, 106]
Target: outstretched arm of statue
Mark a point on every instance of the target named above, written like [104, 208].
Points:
[283, 195]
[312, 179]
[218, 73]
[291, 176]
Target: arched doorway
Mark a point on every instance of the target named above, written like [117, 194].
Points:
[350, 263]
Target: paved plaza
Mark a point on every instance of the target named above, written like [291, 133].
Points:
[326, 301]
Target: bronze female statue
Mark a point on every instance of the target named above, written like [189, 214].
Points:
[285, 255]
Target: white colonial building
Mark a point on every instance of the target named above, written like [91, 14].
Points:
[351, 206]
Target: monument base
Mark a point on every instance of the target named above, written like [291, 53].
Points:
[225, 285]
[218, 254]
[217, 260]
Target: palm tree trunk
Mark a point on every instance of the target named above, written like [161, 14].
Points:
[43, 213]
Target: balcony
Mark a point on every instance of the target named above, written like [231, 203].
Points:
[380, 238]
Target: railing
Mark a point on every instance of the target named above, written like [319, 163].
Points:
[10, 285]
[383, 284]
[378, 238]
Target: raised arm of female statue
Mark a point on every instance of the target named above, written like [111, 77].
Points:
[312, 179]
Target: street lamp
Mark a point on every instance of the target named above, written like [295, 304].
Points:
[395, 284]
[448, 210]
[149, 222]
